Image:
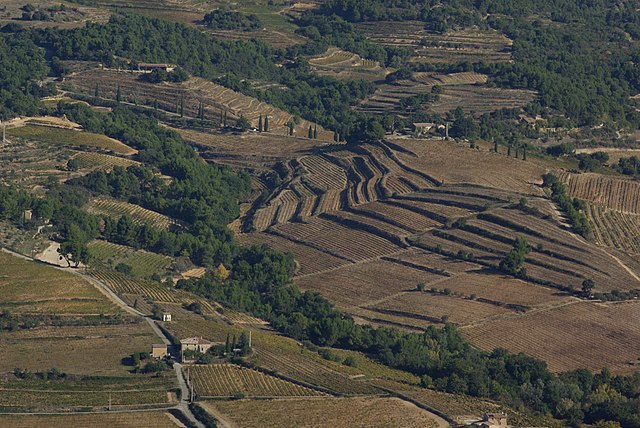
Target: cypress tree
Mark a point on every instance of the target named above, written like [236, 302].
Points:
[524, 152]
[266, 123]
[517, 152]
[495, 146]
[182, 107]
[118, 95]
[260, 124]
[335, 136]
[225, 119]
[96, 93]
[227, 344]
[233, 344]
[509, 150]
[291, 128]
[310, 132]
[315, 132]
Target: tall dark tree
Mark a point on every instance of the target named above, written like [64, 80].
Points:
[266, 123]
[260, 124]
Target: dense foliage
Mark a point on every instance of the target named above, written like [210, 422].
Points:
[577, 55]
[573, 207]
[224, 20]
[22, 65]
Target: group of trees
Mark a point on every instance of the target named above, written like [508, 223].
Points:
[512, 263]
[228, 20]
[629, 166]
[573, 207]
[22, 67]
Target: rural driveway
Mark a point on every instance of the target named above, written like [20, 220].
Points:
[184, 397]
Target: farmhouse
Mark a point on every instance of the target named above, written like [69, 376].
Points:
[159, 350]
[149, 67]
[493, 420]
[196, 344]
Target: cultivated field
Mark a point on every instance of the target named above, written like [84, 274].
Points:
[366, 283]
[615, 193]
[95, 161]
[226, 380]
[143, 263]
[115, 209]
[615, 229]
[215, 99]
[28, 287]
[577, 335]
[70, 138]
[156, 419]
[322, 412]
[84, 350]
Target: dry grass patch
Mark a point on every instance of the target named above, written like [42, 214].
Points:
[322, 412]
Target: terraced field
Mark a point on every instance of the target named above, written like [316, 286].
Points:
[577, 335]
[615, 193]
[346, 65]
[470, 44]
[115, 209]
[216, 99]
[334, 180]
[477, 100]
[226, 380]
[466, 89]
